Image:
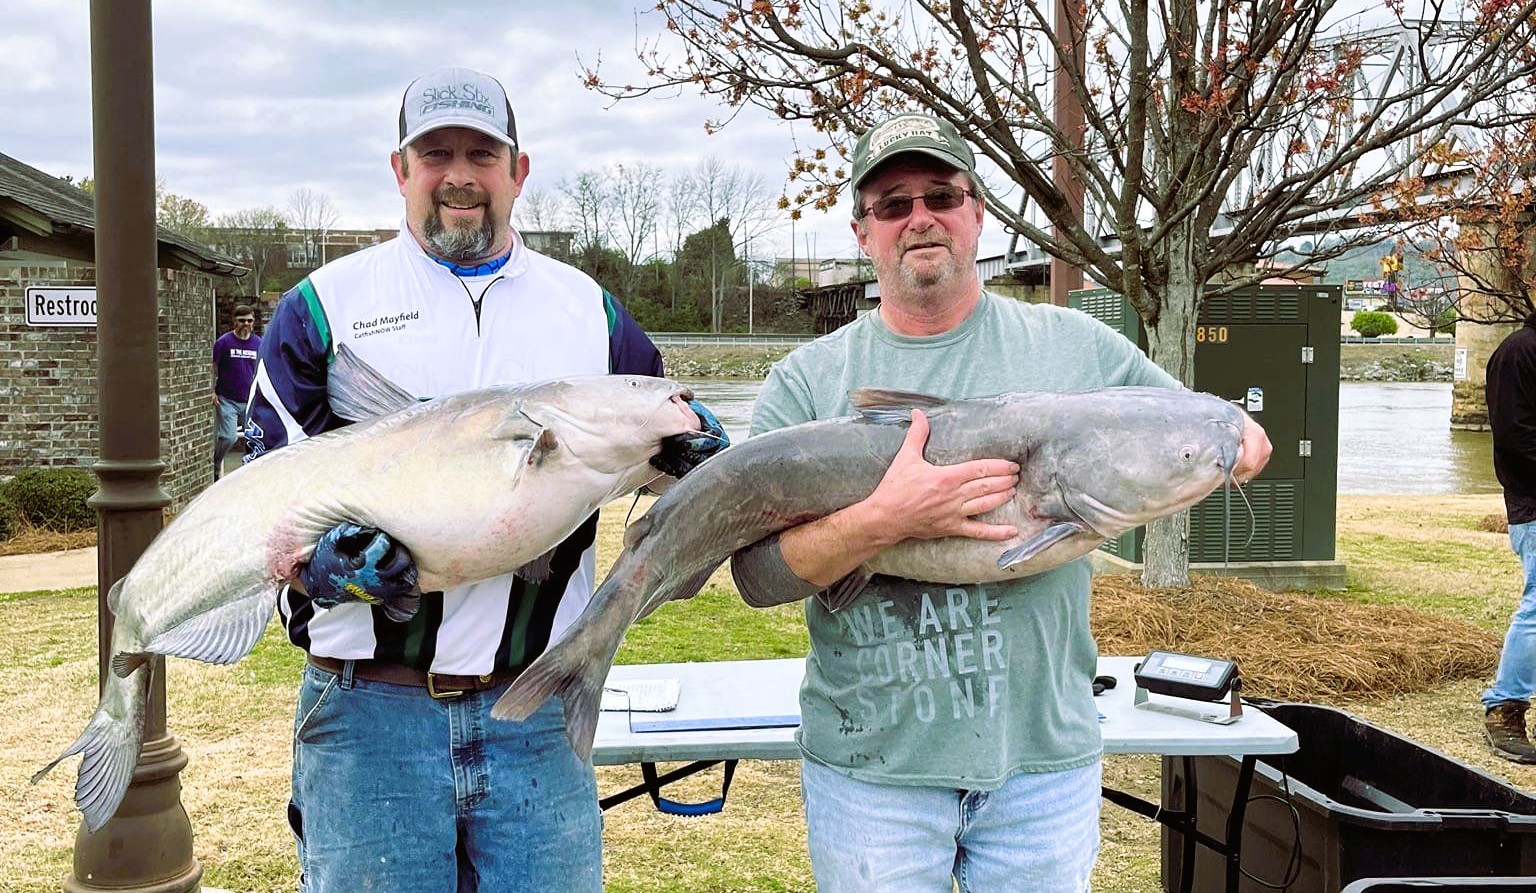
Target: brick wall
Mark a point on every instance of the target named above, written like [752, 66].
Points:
[48, 381]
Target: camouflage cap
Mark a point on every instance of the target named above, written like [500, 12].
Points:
[912, 132]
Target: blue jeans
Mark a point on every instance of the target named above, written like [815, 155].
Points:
[230, 420]
[1516, 679]
[394, 792]
[1038, 833]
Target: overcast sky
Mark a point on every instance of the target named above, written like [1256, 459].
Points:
[256, 99]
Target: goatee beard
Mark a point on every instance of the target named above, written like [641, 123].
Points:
[459, 243]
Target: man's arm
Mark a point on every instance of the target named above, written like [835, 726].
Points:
[290, 401]
[914, 500]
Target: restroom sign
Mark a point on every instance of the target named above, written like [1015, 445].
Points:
[61, 305]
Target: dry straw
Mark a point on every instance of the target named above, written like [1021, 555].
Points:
[1292, 646]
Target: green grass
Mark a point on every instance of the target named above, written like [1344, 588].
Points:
[716, 625]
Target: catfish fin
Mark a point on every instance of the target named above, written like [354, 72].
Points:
[115, 596]
[887, 406]
[224, 634]
[518, 426]
[842, 593]
[402, 608]
[537, 570]
[1038, 543]
[679, 591]
[358, 391]
[124, 663]
[544, 445]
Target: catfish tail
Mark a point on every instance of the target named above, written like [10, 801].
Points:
[109, 745]
[576, 667]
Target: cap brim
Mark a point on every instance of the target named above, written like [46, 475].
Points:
[948, 158]
[476, 124]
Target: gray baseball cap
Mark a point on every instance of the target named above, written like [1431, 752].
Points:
[456, 97]
[913, 132]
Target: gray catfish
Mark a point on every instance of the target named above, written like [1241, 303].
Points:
[474, 485]
[1093, 464]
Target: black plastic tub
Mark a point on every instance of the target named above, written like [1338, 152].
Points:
[1369, 804]
[1444, 885]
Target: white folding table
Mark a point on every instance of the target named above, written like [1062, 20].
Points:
[758, 703]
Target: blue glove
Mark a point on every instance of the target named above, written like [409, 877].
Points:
[353, 563]
[681, 453]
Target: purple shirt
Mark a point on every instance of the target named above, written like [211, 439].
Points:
[234, 365]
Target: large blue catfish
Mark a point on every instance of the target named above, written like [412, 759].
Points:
[474, 485]
[1092, 465]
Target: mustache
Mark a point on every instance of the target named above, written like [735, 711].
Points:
[461, 196]
[925, 240]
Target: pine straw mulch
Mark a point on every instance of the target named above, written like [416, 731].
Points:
[31, 540]
[1292, 646]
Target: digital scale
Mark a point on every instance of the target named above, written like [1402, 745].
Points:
[1191, 678]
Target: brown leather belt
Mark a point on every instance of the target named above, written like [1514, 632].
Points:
[438, 685]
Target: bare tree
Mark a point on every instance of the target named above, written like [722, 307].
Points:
[256, 237]
[182, 215]
[734, 194]
[590, 201]
[314, 217]
[682, 216]
[636, 196]
[1480, 225]
[1212, 131]
[539, 209]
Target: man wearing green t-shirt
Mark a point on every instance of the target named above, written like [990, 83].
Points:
[949, 731]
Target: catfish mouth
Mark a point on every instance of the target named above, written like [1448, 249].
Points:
[676, 416]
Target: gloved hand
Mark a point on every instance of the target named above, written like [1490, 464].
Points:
[353, 563]
[681, 453]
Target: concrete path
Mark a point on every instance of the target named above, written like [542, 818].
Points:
[48, 570]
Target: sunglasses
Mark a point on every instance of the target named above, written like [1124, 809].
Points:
[942, 198]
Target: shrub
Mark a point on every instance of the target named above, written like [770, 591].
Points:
[1373, 324]
[1445, 323]
[54, 498]
[10, 517]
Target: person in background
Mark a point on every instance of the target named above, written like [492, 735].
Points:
[234, 368]
[978, 761]
[1511, 393]
[402, 781]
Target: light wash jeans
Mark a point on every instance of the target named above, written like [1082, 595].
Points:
[1516, 679]
[1038, 833]
[394, 792]
[229, 421]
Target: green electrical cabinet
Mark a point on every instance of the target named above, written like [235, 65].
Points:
[1274, 350]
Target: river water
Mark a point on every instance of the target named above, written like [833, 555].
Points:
[1393, 437]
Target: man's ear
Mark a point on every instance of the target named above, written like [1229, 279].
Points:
[398, 164]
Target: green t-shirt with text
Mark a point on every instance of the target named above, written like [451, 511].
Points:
[953, 685]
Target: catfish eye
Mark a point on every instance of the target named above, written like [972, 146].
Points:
[1187, 453]
[633, 382]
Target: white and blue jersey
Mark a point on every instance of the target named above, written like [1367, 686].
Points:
[435, 331]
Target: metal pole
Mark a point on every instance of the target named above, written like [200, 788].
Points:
[1067, 115]
[147, 846]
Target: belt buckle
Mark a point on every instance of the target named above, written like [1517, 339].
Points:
[440, 695]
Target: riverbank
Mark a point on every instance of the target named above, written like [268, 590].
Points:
[1357, 362]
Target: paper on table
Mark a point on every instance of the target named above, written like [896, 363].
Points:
[642, 695]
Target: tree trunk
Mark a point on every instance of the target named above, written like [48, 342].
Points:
[1171, 344]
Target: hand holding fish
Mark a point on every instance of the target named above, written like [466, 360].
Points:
[919, 500]
[915, 499]
[353, 563]
[1254, 452]
[682, 453]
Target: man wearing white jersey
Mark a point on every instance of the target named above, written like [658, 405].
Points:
[401, 779]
